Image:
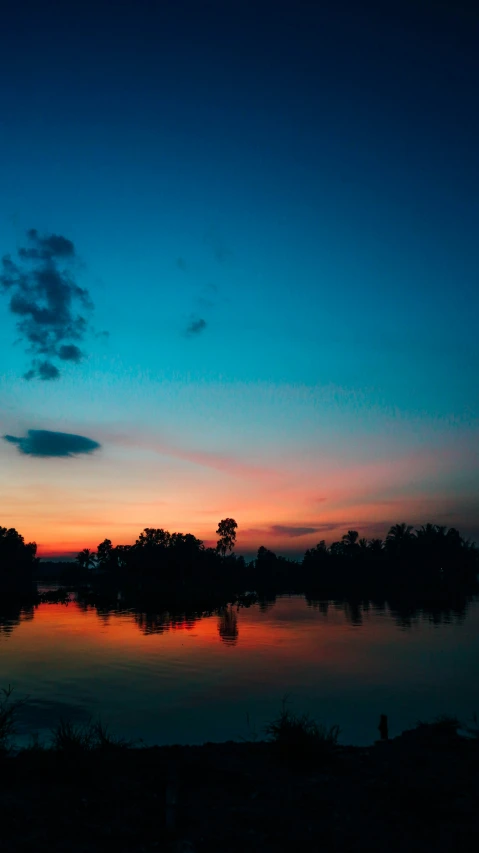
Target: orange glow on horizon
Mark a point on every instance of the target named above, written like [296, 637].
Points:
[327, 495]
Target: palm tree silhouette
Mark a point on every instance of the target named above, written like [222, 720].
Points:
[398, 536]
[430, 532]
[350, 541]
[86, 559]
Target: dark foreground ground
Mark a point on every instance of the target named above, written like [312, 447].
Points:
[418, 792]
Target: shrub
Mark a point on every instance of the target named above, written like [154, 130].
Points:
[71, 737]
[8, 713]
[444, 725]
[299, 738]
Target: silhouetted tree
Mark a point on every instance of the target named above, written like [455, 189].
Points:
[430, 534]
[398, 538]
[350, 541]
[227, 533]
[121, 556]
[317, 554]
[151, 537]
[434, 564]
[86, 559]
[17, 558]
[105, 554]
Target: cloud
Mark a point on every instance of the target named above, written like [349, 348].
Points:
[223, 254]
[70, 352]
[208, 296]
[46, 248]
[196, 327]
[45, 443]
[44, 370]
[47, 301]
[292, 531]
[205, 458]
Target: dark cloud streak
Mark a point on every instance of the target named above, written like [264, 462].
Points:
[294, 532]
[48, 444]
[70, 352]
[196, 327]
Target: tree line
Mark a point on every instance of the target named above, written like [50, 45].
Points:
[427, 555]
[407, 558]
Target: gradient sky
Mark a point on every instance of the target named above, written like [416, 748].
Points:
[303, 178]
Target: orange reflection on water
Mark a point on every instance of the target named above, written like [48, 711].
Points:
[289, 633]
[170, 679]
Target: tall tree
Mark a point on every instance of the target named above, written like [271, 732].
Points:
[227, 535]
[104, 554]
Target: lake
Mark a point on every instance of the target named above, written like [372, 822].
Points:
[223, 676]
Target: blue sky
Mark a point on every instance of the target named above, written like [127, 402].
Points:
[301, 177]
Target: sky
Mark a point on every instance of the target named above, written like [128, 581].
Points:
[240, 272]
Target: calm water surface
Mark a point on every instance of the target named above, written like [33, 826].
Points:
[198, 680]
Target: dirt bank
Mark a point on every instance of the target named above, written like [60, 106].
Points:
[418, 792]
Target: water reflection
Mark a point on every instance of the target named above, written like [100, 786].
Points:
[157, 623]
[159, 617]
[169, 671]
[405, 614]
[12, 612]
[228, 626]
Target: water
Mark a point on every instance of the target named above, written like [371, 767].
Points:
[223, 676]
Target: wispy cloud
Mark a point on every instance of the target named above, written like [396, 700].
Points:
[205, 301]
[289, 531]
[196, 326]
[46, 443]
[205, 458]
[44, 370]
[208, 296]
[216, 242]
[293, 531]
[51, 307]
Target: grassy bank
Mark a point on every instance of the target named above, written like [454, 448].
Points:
[298, 789]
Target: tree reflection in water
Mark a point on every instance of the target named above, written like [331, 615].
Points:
[228, 626]
[12, 612]
[162, 616]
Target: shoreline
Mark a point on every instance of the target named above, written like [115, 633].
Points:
[416, 792]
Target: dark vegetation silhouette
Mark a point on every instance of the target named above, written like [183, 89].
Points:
[430, 557]
[284, 791]
[300, 740]
[227, 533]
[17, 558]
[172, 579]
